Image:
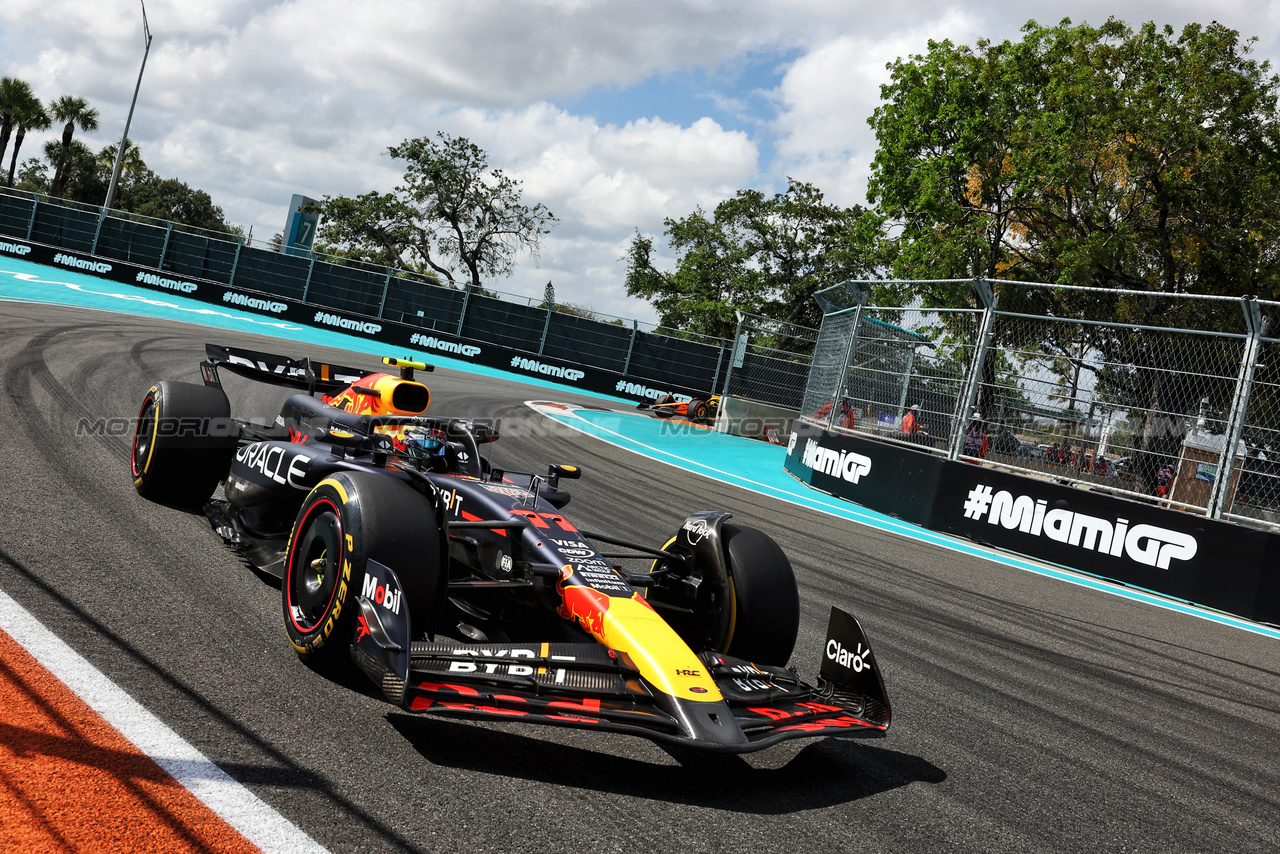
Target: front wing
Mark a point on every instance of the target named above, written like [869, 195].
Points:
[588, 685]
[598, 689]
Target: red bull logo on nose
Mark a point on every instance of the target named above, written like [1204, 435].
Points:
[585, 606]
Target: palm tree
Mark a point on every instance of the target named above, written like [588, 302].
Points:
[131, 164]
[76, 112]
[13, 92]
[28, 115]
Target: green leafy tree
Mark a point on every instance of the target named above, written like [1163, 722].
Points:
[33, 177]
[1085, 155]
[759, 254]
[83, 178]
[28, 115]
[170, 199]
[74, 112]
[451, 208]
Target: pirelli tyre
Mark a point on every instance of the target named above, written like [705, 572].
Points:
[346, 521]
[759, 594]
[183, 443]
[698, 411]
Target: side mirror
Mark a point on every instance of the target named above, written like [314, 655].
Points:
[554, 473]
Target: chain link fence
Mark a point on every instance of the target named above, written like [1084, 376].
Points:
[770, 361]
[1168, 398]
[897, 373]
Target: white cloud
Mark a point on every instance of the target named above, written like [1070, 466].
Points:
[256, 101]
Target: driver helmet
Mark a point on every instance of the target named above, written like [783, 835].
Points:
[422, 443]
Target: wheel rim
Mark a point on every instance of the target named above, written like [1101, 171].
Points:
[144, 436]
[314, 565]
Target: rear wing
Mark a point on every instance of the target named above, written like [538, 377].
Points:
[305, 374]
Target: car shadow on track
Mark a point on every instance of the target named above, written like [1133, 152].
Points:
[821, 774]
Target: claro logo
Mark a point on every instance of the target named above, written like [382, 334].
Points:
[846, 465]
[1145, 544]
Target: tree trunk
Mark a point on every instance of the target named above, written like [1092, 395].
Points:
[17, 144]
[59, 174]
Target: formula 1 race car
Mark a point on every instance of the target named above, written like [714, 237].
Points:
[695, 409]
[392, 534]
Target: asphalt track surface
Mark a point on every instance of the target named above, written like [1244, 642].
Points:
[1029, 714]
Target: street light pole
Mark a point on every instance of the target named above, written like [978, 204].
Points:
[115, 170]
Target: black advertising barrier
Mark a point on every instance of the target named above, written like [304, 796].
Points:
[888, 478]
[389, 333]
[1218, 564]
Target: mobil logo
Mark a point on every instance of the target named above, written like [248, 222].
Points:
[381, 594]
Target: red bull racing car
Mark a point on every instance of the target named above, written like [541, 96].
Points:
[463, 590]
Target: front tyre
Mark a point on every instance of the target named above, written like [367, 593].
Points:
[346, 521]
[766, 614]
[183, 442]
[698, 411]
[745, 604]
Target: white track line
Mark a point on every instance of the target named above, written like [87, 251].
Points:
[244, 811]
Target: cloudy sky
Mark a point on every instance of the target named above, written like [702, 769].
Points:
[614, 114]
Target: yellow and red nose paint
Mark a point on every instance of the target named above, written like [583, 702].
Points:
[629, 624]
[368, 404]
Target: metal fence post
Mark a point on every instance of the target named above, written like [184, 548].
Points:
[737, 338]
[306, 287]
[386, 288]
[546, 324]
[164, 250]
[462, 315]
[631, 345]
[847, 363]
[970, 389]
[235, 262]
[1221, 490]
[31, 224]
[97, 232]
[719, 362]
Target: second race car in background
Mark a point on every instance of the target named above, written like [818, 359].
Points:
[696, 409]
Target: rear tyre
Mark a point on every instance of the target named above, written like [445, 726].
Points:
[183, 442]
[698, 410]
[346, 521]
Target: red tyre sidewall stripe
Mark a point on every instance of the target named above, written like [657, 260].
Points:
[289, 564]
